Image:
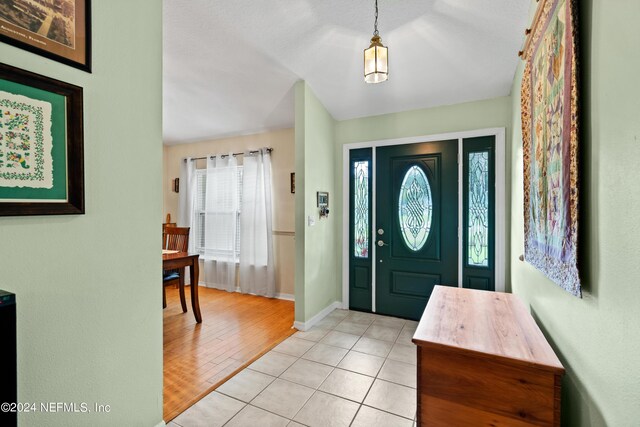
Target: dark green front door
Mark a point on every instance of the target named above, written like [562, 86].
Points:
[416, 227]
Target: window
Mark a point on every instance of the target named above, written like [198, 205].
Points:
[415, 208]
[478, 210]
[223, 241]
[361, 209]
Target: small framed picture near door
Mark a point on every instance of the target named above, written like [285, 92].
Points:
[57, 29]
[323, 199]
[41, 145]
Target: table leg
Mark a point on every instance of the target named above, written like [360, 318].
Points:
[195, 303]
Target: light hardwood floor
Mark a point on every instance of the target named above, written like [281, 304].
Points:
[236, 329]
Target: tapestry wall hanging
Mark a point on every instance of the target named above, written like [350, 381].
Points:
[550, 142]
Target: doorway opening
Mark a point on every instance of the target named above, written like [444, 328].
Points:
[421, 212]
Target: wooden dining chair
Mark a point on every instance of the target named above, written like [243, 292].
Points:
[175, 239]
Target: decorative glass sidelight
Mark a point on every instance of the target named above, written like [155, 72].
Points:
[415, 208]
[478, 210]
[361, 209]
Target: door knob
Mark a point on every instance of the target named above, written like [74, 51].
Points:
[381, 243]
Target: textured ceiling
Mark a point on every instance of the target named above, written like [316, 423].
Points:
[230, 66]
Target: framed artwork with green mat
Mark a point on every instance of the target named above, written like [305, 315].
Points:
[41, 145]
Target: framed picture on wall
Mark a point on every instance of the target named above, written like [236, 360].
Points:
[323, 199]
[57, 29]
[41, 145]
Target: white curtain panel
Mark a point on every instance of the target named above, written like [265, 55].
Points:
[186, 198]
[221, 216]
[257, 271]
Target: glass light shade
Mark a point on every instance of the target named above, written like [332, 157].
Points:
[376, 65]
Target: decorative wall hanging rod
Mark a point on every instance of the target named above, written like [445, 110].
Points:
[528, 33]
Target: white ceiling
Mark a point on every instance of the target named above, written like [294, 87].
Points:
[230, 66]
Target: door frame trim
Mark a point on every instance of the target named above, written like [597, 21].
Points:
[500, 220]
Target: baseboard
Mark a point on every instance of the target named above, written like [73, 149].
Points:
[305, 326]
[286, 297]
[161, 424]
[299, 325]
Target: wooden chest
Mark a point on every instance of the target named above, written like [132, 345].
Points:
[483, 361]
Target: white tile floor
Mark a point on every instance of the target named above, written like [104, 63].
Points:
[351, 369]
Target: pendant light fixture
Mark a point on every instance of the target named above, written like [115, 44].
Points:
[376, 64]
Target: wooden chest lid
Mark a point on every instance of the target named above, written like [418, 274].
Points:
[492, 324]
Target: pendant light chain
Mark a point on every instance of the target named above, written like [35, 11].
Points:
[375, 26]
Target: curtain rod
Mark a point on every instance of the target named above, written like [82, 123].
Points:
[226, 155]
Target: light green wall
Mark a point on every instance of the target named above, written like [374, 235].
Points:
[429, 121]
[301, 219]
[597, 337]
[314, 244]
[492, 113]
[88, 287]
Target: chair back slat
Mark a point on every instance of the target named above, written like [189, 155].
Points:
[177, 239]
[164, 231]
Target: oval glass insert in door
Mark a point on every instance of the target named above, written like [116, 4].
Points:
[415, 208]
